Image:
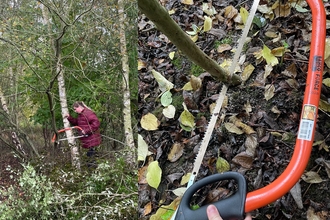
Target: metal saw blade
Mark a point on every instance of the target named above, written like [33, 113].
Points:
[216, 111]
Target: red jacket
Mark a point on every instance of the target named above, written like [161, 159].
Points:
[89, 122]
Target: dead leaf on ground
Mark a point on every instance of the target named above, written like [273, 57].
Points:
[175, 152]
[296, 194]
[147, 208]
[311, 177]
[244, 159]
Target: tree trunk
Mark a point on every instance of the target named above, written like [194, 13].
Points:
[160, 17]
[57, 45]
[19, 148]
[130, 158]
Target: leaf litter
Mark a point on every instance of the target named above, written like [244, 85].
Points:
[266, 107]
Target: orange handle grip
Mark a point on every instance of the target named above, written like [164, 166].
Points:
[303, 147]
[65, 129]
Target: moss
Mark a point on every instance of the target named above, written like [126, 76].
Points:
[196, 70]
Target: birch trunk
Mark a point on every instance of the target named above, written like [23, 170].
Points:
[19, 148]
[62, 91]
[130, 159]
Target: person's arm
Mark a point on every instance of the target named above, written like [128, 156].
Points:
[72, 120]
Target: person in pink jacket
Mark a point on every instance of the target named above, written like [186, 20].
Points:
[90, 124]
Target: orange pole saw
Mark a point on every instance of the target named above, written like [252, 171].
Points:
[235, 206]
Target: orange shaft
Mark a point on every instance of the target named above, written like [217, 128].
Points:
[291, 175]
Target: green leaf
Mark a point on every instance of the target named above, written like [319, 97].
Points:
[154, 174]
[166, 98]
[187, 119]
[142, 148]
[222, 165]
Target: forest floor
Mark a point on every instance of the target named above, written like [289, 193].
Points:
[268, 104]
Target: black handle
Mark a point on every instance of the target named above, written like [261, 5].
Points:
[231, 208]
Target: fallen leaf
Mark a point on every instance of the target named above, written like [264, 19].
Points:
[141, 64]
[186, 118]
[187, 2]
[223, 47]
[311, 215]
[187, 86]
[243, 159]
[179, 191]
[149, 122]
[175, 152]
[185, 179]
[165, 212]
[296, 194]
[209, 10]
[147, 208]
[216, 195]
[171, 55]
[244, 14]
[222, 165]
[163, 83]
[169, 111]
[268, 56]
[269, 91]
[142, 172]
[247, 72]
[142, 148]
[230, 12]
[326, 82]
[166, 98]
[311, 177]
[207, 23]
[196, 83]
[154, 174]
[233, 128]
[251, 143]
[323, 105]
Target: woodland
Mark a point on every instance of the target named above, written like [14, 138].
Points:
[257, 127]
[54, 53]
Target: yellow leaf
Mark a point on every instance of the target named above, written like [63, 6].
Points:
[244, 14]
[326, 82]
[187, 2]
[311, 177]
[185, 179]
[323, 105]
[279, 51]
[233, 128]
[154, 174]
[187, 87]
[142, 148]
[269, 91]
[141, 64]
[171, 55]
[149, 122]
[247, 129]
[194, 38]
[268, 56]
[207, 23]
[247, 72]
[268, 70]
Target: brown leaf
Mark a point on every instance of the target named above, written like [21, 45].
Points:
[243, 159]
[142, 172]
[176, 152]
[147, 208]
[216, 195]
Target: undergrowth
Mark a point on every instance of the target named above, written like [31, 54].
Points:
[108, 192]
